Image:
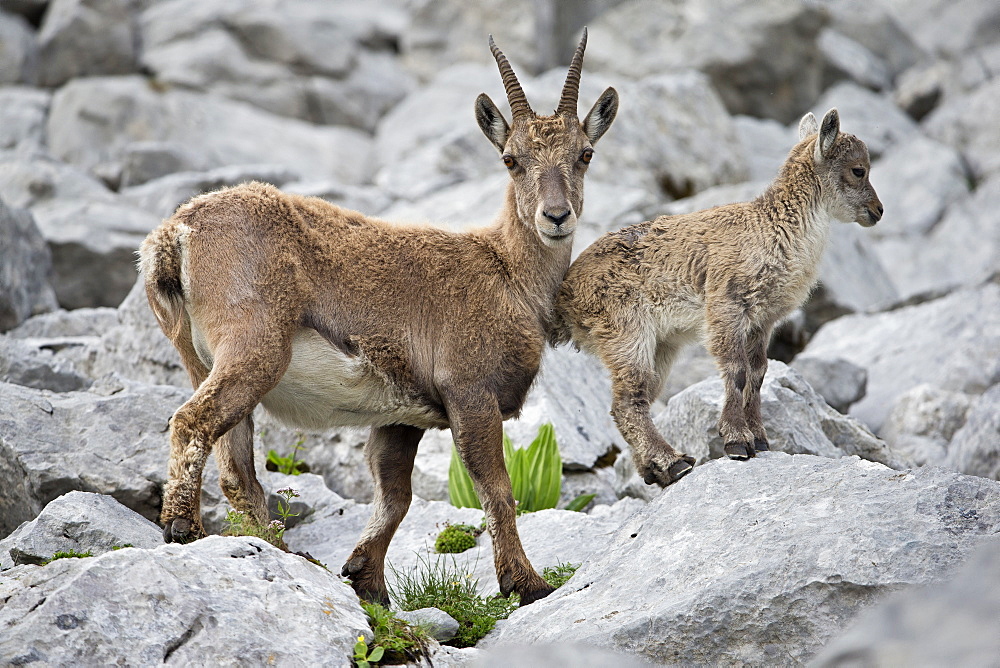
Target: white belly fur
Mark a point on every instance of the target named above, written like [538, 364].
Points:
[323, 387]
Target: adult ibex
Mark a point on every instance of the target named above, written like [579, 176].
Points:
[328, 317]
[637, 295]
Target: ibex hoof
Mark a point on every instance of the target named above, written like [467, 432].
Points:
[739, 451]
[182, 530]
[654, 472]
[761, 445]
[532, 596]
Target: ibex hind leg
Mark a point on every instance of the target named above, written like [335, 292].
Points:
[240, 376]
[390, 452]
[237, 476]
[729, 347]
[634, 386]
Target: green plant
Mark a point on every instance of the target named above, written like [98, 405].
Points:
[68, 554]
[446, 587]
[121, 547]
[455, 538]
[395, 641]
[288, 465]
[362, 658]
[535, 476]
[239, 523]
[558, 575]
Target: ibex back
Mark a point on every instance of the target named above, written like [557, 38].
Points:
[329, 317]
[637, 295]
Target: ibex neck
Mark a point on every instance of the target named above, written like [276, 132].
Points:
[795, 196]
[535, 269]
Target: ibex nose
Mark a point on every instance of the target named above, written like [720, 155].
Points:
[557, 216]
[876, 213]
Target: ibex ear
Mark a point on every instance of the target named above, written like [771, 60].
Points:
[491, 121]
[828, 131]
[808, 126]
[599, 118]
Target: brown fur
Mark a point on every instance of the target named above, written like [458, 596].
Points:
[330, 317]
[637, 295]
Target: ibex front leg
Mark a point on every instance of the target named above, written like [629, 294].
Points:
[727, 329]
[757, 362]
[390, 452]
[478, 433]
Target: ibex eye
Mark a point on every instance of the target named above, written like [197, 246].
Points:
[509, 161]
[587, 155]
[858, 171]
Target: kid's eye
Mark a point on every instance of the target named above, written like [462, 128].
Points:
[509, 161]
[858, 171]
[587, 155]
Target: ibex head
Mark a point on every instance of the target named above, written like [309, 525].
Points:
[843, 166]
[547, 156]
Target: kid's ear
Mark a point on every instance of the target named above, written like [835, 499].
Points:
[491, 121]
[828, 131]
[808, 126]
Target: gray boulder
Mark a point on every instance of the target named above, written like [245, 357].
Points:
[25, 265]
[33, 363]
[22, 118]
[948, 28]
[797, 419]
[766, 144]
[917, 180]
[949, 342]
[975, 448]
[964, 123]
[674, 137]
[848, 59]
[228, 597]
[438, 623]
[62, 324]
[94, 120]
[874, 26]
[577, 654]
[93, 248]
[923, 421]
[111, 439]
[763, 561]
[838, 381]
[32, 179]
[81, 522]
[732, 42]
[18, 50]
[86, 37]
[968, 231]
[949, 623]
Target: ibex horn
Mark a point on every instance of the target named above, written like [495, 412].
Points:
[571, 89]
[518, 102]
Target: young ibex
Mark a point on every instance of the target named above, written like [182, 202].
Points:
[637, 295]
[328, 317]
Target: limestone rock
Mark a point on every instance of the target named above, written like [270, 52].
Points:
[949, 342]
[86, 37]
[963, 123]
[25, 264]
[22, 118]
[18, 50]
[948, 623]
[848, 59]
[81, 522]
[228, 597]
[923, 421]
[732, 42]
[975, 448]
[32, 363]
[838, 381]
[763, 561]
[93, 121]
[441, 626]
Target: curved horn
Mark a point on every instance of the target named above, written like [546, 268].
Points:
[571, 89]
[518, 102]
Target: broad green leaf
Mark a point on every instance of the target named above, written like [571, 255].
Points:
[546, 468]
[461, 491]
[580, 502]
[376, 654]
